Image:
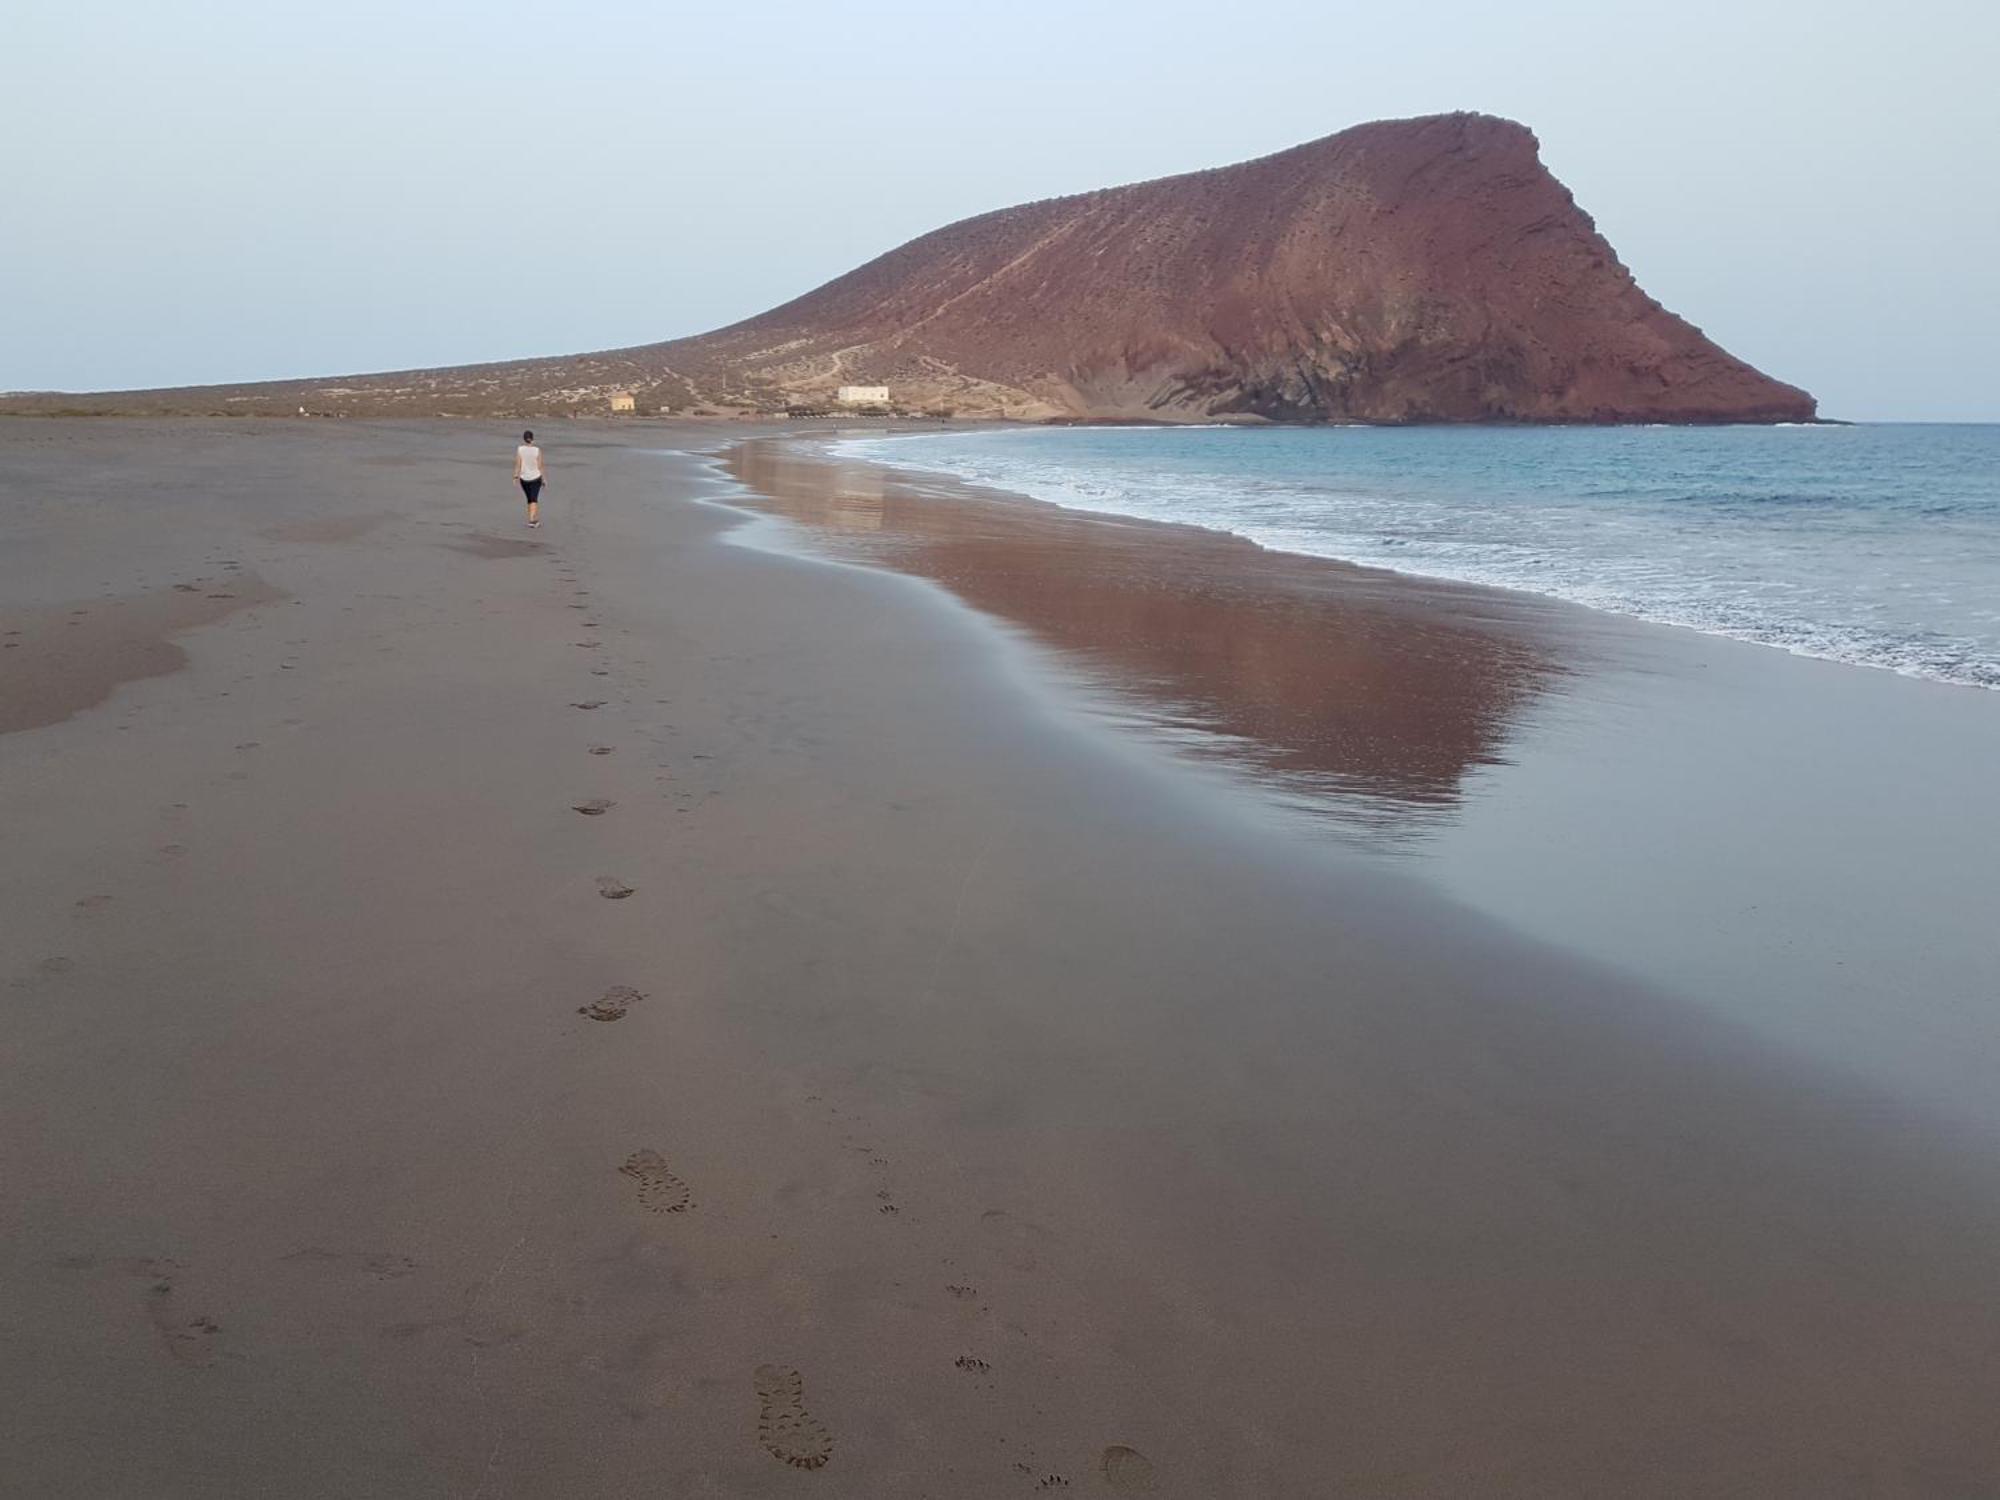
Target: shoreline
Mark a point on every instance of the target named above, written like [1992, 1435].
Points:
[1087, 593]
[1628, 611]
[1032, 1111]
[1472, 733]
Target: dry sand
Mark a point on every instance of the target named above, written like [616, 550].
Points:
[888, 1091]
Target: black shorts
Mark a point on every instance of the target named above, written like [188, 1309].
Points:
[532, 488]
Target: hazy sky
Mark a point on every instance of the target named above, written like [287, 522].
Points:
[230, 191]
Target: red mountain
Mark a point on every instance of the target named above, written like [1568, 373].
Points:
[1427, 270]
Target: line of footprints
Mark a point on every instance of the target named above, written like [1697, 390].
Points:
[787, 1431]
[660, 1191]
[785, 1428]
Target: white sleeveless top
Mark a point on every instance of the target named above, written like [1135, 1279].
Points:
[531, 460]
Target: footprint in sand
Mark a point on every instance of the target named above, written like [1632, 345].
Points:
[660, 1191]
[617, 1000]
[612, 889]
[1125, 1469]
[381, 1265]
[600, 749]
[596, 807]
[787, 1431]
[589, 703]
[191, 1341]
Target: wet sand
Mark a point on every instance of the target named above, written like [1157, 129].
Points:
[1806, 849]
[857, 1078]
[1364, 697]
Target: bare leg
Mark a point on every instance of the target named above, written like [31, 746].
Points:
[534, 513]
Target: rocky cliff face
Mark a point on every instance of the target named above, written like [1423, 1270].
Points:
[1412, 270]
[1427, 270]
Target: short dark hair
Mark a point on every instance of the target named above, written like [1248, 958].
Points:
[527, 437]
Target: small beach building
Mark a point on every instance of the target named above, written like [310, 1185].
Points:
[621, 401]
[863, 395]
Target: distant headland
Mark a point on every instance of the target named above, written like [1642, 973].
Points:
[1406, 271]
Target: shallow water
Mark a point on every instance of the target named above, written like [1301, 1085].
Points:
[1877, 545]
[1800, 847]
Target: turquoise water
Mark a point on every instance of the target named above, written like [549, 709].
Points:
[1877, 545]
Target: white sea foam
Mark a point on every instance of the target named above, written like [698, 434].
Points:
[1887, 555]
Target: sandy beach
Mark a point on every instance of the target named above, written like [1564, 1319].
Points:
[614, 1011]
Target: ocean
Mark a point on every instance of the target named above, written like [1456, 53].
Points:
[1877, 545]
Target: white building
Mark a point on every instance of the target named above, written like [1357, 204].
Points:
[863, 395]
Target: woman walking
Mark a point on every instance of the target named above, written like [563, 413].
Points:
[528, 469]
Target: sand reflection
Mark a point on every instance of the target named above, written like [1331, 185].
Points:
[1364, 695]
